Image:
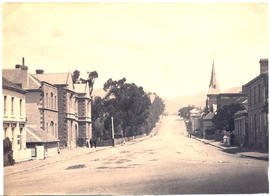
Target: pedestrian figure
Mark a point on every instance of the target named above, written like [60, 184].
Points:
[91, 143]
[95, 143]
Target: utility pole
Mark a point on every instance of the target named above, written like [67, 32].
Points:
[112, 131]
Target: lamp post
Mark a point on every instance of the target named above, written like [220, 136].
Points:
[112, 131]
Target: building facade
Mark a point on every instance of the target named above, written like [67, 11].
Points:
[74, 104]
[67, 105]
[257, 92]
[14, 119]
[41, 100]
[241, 128]
[84, 113]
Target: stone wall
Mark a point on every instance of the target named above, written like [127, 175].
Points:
[62, 122]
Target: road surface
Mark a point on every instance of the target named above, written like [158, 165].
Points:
[168, 163]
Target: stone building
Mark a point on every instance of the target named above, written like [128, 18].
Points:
[14, 119]
[74, 103]
[67, 105]
[84, 113]
[41, 99]
[257, 92]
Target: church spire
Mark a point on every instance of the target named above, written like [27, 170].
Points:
[213, 86]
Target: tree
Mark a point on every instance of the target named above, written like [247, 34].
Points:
[224, 119]
[90, 80]
[128, 104]
[131, 108]
[185, 111]
[75, 76]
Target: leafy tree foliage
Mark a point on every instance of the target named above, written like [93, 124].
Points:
[130, 107]
[224, 119]
[185, 111]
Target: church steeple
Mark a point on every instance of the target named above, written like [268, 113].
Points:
[213, 86]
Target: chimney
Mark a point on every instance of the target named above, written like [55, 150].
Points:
[39, 71]
[263, 66]
[22, 72]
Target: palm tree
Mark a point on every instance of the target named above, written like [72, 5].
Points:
[91, 80]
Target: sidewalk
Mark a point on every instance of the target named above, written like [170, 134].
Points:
[243, 153]
[65, 154]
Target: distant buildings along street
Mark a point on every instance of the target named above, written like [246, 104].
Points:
[248, 125]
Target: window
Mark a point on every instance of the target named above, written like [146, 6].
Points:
[21, 139]
[47, 103]
[51, 100]
[12, 105]
[55, 103]
[18, 139]
[20, 107]
[12, 137]
[5, 104]
[5, 136]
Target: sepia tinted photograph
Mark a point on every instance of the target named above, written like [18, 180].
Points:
[135, 98]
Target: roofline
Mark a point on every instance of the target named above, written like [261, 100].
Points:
[232, 94]
[53, 73]
[256, 78]
[32, 90]
[36, 79]
[14, 89]
[48, 84]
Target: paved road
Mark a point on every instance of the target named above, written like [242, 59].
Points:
[168, 163]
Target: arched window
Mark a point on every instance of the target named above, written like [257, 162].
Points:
[52, 130]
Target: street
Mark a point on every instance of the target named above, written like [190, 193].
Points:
[168, 163]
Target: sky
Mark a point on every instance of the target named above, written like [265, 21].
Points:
[167, 48]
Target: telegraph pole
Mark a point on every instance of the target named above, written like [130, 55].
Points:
[112, 131]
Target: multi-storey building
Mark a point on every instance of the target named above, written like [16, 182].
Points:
[14, 119]
[74, 103]
[67, 104]
[257, 92]
[41, 100]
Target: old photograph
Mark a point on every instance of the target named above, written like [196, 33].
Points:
[135, 98]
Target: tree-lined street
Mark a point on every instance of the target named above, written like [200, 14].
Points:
[168, 163]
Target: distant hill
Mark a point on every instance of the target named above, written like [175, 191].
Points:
[174, 104]
[199, 100]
